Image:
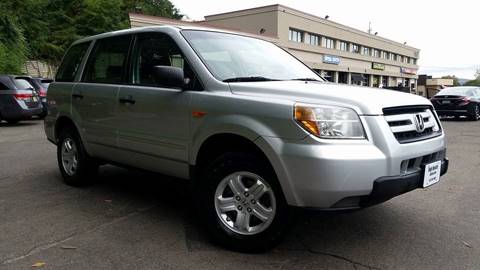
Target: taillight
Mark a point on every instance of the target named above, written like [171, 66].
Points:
[23, 96]
[43, 92]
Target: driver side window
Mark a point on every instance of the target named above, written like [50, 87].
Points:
[157, 49]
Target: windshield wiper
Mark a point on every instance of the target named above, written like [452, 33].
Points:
[249, 79]
[307, 79]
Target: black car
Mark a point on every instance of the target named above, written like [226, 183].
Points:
[41, 85]
[18, 99]
[458, 101]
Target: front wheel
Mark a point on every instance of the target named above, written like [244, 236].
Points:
[13, 121]
[76, 167]
[242, 204]
[476, 113]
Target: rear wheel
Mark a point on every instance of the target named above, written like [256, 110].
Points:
[242, 204]
[76, 167]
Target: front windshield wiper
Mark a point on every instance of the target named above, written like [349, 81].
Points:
[249, 79]
[307, 79]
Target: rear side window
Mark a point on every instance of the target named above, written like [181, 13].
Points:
[22, 84]
[71, 62]
[107, 63]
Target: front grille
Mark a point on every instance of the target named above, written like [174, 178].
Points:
[415, 164]
[403, 123]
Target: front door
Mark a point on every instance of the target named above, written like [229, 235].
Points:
[152, 119]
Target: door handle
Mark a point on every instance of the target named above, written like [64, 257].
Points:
[127, 100]
[77, 96]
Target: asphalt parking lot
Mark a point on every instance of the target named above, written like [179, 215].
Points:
[136, 220]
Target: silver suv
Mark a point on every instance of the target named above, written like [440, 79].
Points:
[253, 128]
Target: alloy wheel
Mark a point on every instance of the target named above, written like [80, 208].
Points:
[69, 156]
[245, 203]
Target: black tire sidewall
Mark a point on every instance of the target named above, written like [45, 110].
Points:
[86, 170]
[210, 178]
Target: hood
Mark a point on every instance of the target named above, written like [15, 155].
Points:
[364, 100]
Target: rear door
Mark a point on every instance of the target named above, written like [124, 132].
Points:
[94, 99]
[153, 125]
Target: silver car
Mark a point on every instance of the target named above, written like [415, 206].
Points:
[256, 131]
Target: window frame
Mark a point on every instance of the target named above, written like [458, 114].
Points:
[92, 52]
[81, 66]
[327, 39]
[198, 85]
[353, 46]
[295, 32]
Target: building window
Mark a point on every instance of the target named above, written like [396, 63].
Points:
[398, 58]
[343, 46]
[343, 77]
[355, 48]
[366, 80]
[414, 61]
[376, 53]
[366, 51]
[385, 55]
[384, 82]
[329, 75]
[392, 56]
[313, 39]
[329, 43]
[295, 35]
[405, 59]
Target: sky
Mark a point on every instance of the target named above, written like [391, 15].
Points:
[446, 32]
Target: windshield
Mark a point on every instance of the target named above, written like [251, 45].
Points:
[234, 58]
[456, 91]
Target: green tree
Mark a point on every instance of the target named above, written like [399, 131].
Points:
[12, 46]
[44, 29]
[476, 81]
[162, 8]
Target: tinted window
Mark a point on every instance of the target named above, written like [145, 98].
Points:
[107, 63]
[23, 84]
[71, 62]
[156, 49]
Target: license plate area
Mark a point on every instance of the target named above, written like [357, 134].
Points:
[432, 173]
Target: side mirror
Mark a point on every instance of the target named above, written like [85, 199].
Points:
[168, 76]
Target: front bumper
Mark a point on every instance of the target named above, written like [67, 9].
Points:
[348, 174]
[385, 188]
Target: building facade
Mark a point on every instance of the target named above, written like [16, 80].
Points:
[339, 53]
[428, 86]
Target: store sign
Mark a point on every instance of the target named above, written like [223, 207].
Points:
[378, 66]
[330, 59]
[408, 70]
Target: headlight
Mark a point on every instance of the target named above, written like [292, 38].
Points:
[329, 122]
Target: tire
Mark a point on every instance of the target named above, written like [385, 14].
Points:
[214, 180]
[13, 121]
[42, 115]
[476, 114]
[76, 167]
